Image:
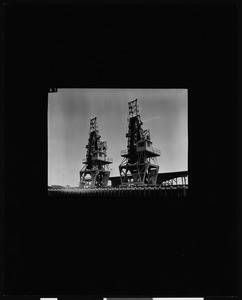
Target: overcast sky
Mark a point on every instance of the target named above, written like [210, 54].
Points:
[163, 111]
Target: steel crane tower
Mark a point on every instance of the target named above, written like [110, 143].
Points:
[96, 172]
[139, 166]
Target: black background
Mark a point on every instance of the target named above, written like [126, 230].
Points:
[110, 247]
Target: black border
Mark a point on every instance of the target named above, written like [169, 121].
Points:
[36, 82]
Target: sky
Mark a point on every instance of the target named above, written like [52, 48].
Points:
[163, 111]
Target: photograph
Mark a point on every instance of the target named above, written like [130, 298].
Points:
[120, 150]
[102, 139]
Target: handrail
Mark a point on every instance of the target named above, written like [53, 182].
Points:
[123, 152]
[155, 150]
[108, 159]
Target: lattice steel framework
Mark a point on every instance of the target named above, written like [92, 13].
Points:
[139, 166]
[95, 172]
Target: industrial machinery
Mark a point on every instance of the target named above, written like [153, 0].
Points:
[139, 166]
[95, 173]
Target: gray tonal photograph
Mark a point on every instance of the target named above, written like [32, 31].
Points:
[117, 140]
